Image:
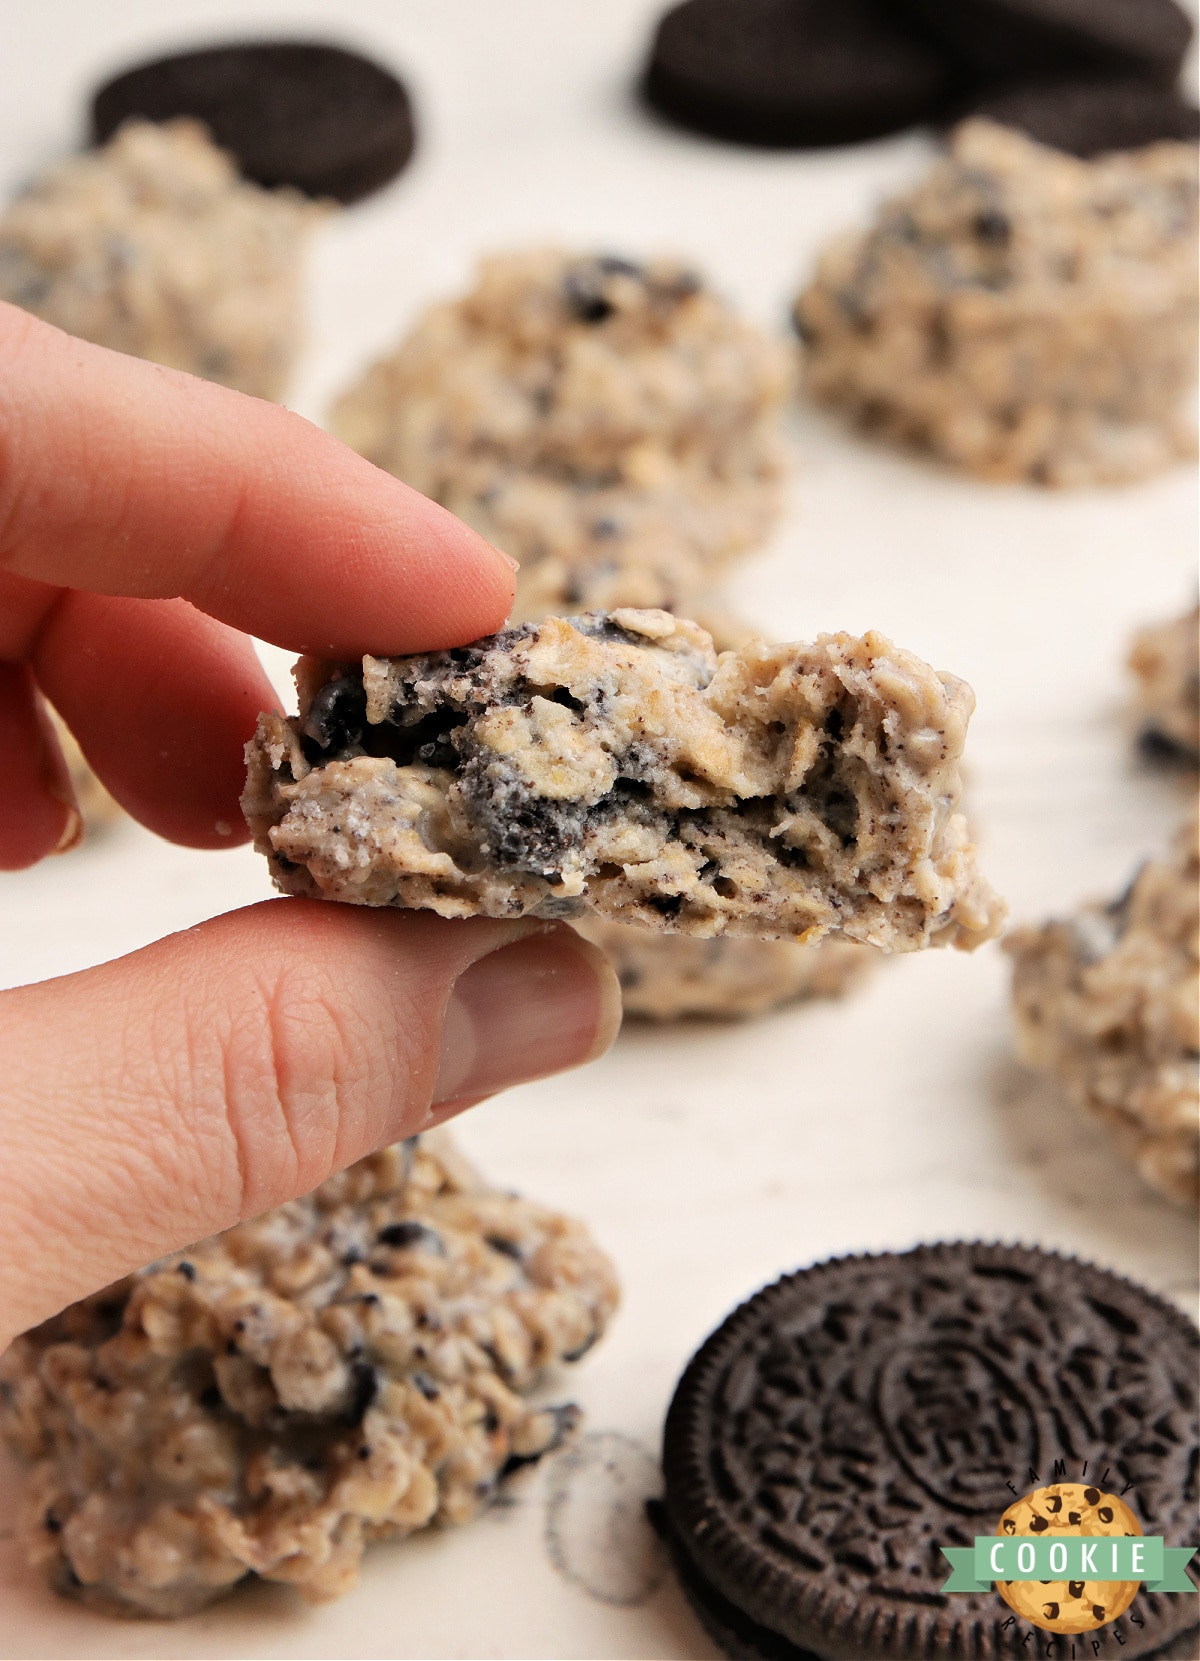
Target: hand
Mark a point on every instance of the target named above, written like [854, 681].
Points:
[146, 519]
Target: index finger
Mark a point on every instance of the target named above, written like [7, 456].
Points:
[126, 478]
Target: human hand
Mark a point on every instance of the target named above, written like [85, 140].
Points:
[146, 519]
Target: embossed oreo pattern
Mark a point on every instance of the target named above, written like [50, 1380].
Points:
[850, 1420]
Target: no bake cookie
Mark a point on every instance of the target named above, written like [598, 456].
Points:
[1108, 1003]
[668, 977]
[154, 246]
[1021, 313]
[590, 415]
[611, 764]
[347, 1368]
[1165, 661]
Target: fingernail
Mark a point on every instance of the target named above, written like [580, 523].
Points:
[539, 1006]
[72, 832]
[56, 777]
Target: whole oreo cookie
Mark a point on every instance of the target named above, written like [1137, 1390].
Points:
[792, 73]
[320, 118]
[1090, 118]
[849, 1421]
[996, 39]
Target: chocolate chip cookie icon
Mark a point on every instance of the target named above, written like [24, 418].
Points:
[1068, 1606]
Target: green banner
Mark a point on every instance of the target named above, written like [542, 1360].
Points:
[1068, 1557]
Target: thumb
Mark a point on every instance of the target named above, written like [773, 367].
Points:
[157, 1099]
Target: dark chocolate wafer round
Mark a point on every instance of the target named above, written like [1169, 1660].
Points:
[997, 39]
[730, 1628]
[1090, 118]
[850, 1420]
[792, 73]
[743, 1639]
[327, 121]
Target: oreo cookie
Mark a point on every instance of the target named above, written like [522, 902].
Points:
[792, 73]
[847, 1422]
[314, 116]
[1090, 118]
[1000, 39]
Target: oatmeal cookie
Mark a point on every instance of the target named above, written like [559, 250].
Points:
[665, 581]
[587, 412]
[1165, 660]
[637, 553]
[666, 977]
[669, 977]
[611, 763]
[1108, 1002]
[1021, 313]
[346, 1368]
[154, 246]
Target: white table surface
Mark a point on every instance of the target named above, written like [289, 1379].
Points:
[707, 1159]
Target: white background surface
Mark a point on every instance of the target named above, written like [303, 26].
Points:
[707, 1159]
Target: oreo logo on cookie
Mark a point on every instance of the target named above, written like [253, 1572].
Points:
[967, 1467]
